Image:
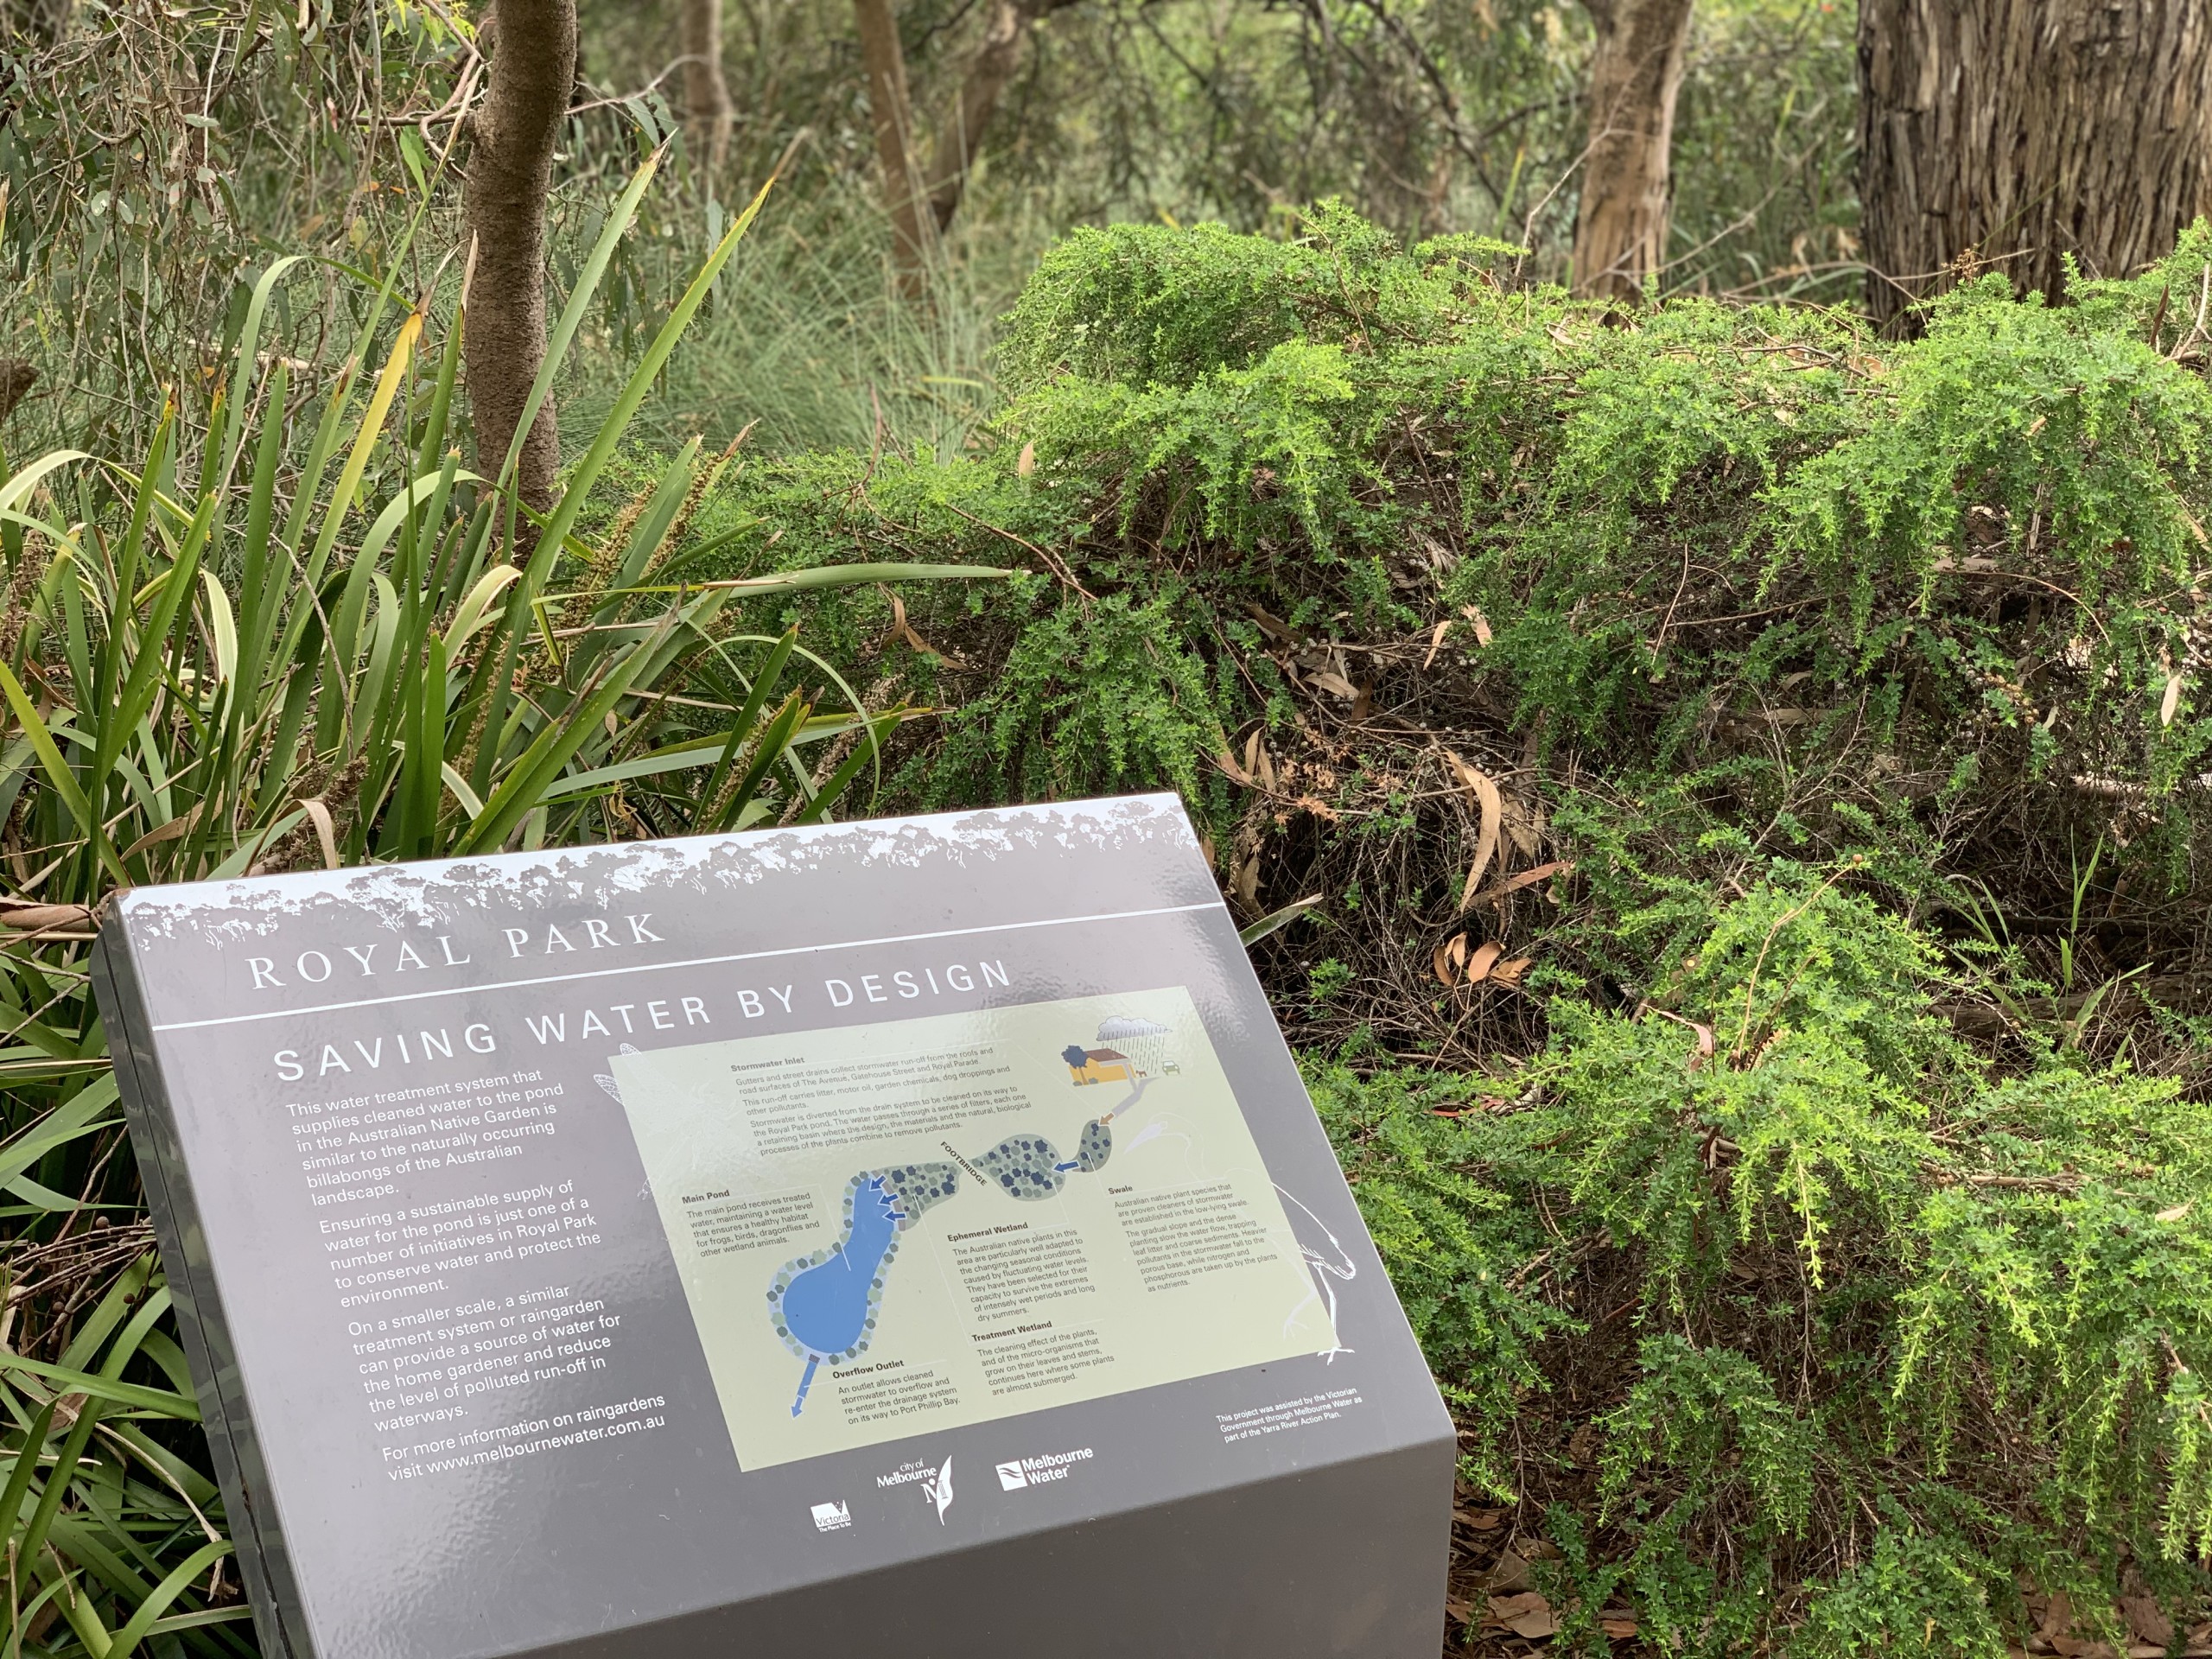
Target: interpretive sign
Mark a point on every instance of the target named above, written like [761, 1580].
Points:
[908, 1234]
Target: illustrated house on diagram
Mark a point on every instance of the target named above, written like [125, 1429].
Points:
[1095, 1064]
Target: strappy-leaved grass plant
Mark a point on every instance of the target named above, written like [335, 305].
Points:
[305, 644]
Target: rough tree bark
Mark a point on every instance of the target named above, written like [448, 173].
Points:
[893, 115]
[512, 134]
[1620, 229]
[707, 110]
[2012, 132]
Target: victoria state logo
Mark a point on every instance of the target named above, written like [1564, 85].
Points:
[832, 1517]
[1024, 1472]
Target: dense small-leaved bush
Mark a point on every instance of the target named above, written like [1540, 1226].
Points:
[1707, 524]
[1868, 1336]
[1799, 1312]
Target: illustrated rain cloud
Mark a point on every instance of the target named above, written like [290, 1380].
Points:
[1122, 1027]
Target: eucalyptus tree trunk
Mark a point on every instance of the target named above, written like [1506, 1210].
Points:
[512, 136]
[1636, 73]
[894, 117]
[707, 110]
[2009, 134]
[988, 71]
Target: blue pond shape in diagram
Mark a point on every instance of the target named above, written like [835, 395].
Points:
[824, 1304]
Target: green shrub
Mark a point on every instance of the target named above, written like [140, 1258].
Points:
[1903, 1328]
[1811, 1317]
[1716, 532]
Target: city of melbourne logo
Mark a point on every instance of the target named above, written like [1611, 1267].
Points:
[936, 1484]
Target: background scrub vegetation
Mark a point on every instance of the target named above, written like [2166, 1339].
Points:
[1748, 775]
[1716, 787]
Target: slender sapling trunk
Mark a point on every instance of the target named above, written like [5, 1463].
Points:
[513, 134]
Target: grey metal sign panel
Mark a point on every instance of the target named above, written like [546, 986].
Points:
[908, 1232]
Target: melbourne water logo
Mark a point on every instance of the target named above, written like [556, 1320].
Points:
[1024, 1472]
[832, 1517]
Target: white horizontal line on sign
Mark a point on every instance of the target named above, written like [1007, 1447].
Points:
[688, 962]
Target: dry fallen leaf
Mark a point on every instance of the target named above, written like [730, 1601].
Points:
[172, 830]
[1508, 1573]
[1492, 807]
[1474, 614]
[1498, 890]
[2147, 1622]
[1508, 973]
[2172, 701]
[1524, 825]
[1259, 763]
[326, 830]
[1274, 628]
[1512, 1574]
[2056, 1633]
[1435, 643]
[1618, 1623]
[2058, 1617]
[2176, 1213]
[902, 629]
[1027, 462]
[1528, 1614]
[1247, 881]
[1335, 684]
[1481, 964]
[31, 918]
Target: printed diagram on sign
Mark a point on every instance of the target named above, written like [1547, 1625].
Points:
[825, 1305]
[1146, 1057]
[959, 1217]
